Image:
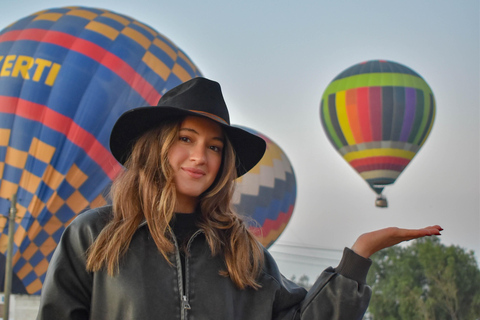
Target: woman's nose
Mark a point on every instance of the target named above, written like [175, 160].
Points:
[198, 153]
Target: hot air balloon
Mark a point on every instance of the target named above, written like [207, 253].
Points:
[66, 74]
[267, 193]
[377, 115]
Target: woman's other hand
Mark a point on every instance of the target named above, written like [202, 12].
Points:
[371, 242]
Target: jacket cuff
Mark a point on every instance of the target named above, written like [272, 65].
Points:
[354, 266]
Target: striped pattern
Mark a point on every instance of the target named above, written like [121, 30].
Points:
[66, 75]
[377, 115]
[267, 193]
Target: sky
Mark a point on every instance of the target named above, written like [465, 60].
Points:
[274, 59]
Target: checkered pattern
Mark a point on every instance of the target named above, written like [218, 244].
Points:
[41, 216]
[52, 156]
[160, 54]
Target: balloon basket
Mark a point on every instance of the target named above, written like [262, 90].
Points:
[381, 202]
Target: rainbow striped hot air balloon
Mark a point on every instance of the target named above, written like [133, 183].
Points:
[66, 74]
[378, 114]
[267, 193]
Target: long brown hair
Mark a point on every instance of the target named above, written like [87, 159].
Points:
[146, 191]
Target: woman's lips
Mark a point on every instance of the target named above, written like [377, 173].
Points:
[193, 172]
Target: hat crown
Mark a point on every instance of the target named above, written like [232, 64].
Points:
[198, 95]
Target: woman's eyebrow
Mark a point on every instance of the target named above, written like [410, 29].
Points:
[219, 139]
[189, 129]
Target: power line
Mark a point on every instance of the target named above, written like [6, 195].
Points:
[304, 263]
[304, 256]
[305, 246]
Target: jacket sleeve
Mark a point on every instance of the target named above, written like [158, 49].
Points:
[67, 287]
[338, 293]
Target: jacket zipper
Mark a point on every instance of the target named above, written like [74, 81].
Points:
[184, 299]
[186, 305]
[184, 293]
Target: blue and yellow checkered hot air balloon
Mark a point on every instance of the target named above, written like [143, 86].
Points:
[66, 74]
[267, 193]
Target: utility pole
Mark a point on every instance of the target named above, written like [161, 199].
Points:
[8, 263]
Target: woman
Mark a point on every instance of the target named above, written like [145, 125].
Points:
[171, 247]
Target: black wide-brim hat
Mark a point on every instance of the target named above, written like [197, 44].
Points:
[196, 97]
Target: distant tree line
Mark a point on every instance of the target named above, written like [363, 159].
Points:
[425, 280]
[303, 281]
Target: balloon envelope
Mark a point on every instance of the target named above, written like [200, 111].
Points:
[267, 193]
[378, 114]
[66, 75]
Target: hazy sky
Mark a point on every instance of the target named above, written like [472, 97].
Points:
[274, 59]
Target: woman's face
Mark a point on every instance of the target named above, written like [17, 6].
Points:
[195, 157]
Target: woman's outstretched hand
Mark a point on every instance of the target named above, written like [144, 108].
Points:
[371, 242]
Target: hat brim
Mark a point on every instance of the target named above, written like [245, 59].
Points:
[249, 148]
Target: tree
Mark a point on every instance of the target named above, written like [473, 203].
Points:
[303, 281]
[425, 280]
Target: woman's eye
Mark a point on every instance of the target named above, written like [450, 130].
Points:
[184, 139]
[216, 148]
